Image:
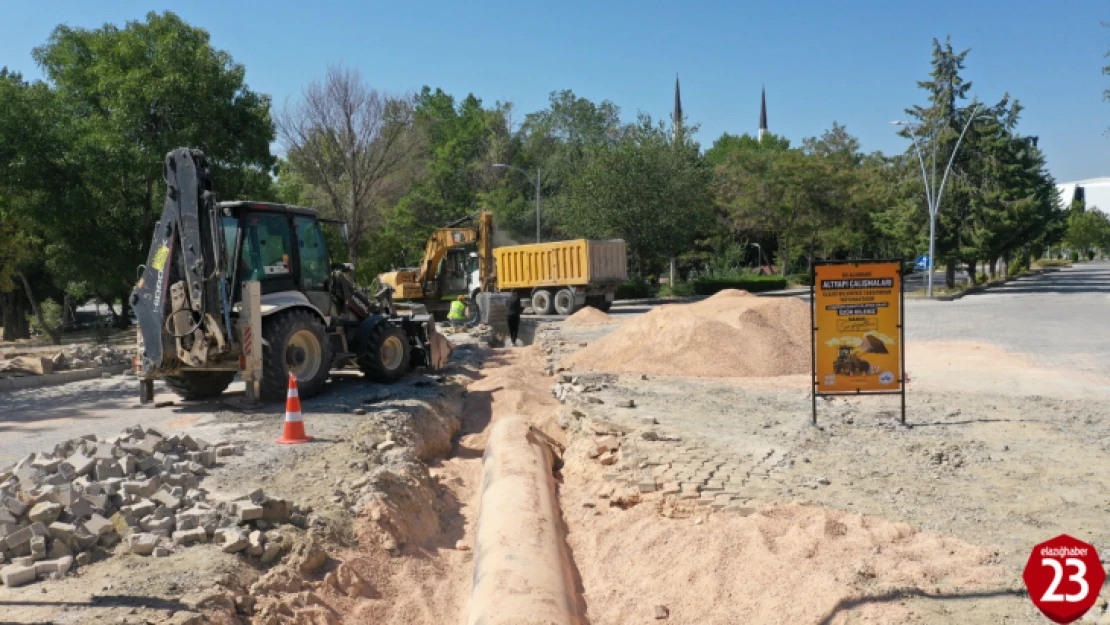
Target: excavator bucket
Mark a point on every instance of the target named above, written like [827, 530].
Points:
[441, 348]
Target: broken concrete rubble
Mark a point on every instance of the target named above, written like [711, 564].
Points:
[88, 494]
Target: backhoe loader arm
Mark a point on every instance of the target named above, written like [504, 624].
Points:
[183, 257]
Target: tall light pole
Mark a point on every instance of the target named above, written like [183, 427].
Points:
[760, 248]
[932, 194]
[536, 183]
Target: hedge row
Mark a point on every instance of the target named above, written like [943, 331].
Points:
[753, 285]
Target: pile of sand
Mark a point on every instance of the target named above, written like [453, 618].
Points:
[589, 316]
[732, 334]
[784, 565]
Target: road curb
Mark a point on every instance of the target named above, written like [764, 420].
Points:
[522, 571]
[990, 285]
[62, 377]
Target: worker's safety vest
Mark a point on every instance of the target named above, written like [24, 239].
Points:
[458, 310]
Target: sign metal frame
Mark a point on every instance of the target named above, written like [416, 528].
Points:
[901, 331]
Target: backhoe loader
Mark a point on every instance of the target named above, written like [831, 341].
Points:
[249, 287]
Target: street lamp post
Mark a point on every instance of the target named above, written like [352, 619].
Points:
[933, 196]
[760, 248]
[537, 185]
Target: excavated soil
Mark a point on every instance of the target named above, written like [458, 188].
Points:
[732, 334]
[590, 316]
[782, 565]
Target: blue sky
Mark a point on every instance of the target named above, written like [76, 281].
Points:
[854, 62]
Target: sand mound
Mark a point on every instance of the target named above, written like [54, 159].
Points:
[730, 293]
[732, 334]
[787, 564]
[589, 316]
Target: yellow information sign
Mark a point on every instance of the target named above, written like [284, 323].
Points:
[857, 337]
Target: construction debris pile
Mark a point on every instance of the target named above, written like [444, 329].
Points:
[140, 488]
[71, 358]
[732, 334]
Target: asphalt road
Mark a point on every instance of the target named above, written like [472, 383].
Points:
[1058, 320]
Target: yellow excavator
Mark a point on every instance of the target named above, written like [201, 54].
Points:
[458, 260]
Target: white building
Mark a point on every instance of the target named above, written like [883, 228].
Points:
[1095, 193]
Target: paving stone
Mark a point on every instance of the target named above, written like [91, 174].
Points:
[61, 531]
[19, 537]
[248, 511]
[166, 499]
[58, 549]
[188, 537]
[277, 510]
[14, 505]
[234, 539]
[59, 566]
[98, 525]
[142, 544]
[15, 575]
[138, 510]
[82, 464]
[81, 508]
[45, 512]
[106, 469]
[626, 403]
[151, 524]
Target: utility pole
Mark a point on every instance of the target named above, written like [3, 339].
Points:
[932, 193]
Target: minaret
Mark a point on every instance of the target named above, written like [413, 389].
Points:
[676, 117]
[763, 115]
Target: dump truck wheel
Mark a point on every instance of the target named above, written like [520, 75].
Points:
[386, 355]
[192, 385]
[541, 302]
[297, 344]
[564, 302]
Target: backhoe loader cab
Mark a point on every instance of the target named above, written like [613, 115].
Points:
[228, 284]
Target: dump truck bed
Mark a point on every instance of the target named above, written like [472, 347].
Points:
[578, 262]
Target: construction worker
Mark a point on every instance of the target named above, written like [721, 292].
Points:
[514, 309]
[457, 314]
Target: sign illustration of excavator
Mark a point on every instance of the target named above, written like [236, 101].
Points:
[849, 360]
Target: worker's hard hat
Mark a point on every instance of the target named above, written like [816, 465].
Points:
[462, 298]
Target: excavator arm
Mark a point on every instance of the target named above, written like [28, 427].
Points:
[414, 284]
[181, 300]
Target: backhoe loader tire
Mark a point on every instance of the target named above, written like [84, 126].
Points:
[386, 355]
[192, 385]
[541, 302]
[564, 302]
[296, 342]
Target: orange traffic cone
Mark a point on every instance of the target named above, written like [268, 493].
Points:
[294, 424]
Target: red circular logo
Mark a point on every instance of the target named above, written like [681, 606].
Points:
[1064, 577]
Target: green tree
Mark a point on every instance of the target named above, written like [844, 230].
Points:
[125, 97]
[728, 144]
[1088, 230]
[644, 189]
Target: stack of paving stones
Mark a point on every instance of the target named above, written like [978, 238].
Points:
[84, 357]
[142, 488]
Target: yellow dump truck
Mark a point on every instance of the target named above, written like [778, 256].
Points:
[563, 276]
